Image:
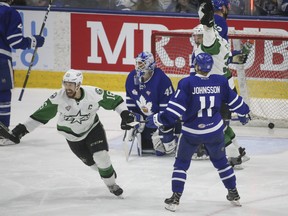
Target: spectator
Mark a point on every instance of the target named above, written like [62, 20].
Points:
[166, 4]
[148, 5]
[20, 2]
[237, 7]
[186, 6]
[38, 3]
[283, 6]
[125, 4]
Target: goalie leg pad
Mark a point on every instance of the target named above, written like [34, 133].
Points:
[157, 144]
[168, 139]
[164, 141]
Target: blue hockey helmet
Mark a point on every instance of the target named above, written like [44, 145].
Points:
[218, 4]
[204, 62]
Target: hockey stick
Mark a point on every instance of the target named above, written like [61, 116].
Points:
[133, 124]
[129, 137]
[34, 52]
[4, 132]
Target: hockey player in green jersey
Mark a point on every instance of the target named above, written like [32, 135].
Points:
[220, 50]
[78, 122]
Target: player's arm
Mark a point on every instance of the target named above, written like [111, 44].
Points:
[173, 112]
[15, 34]
[46, 112]
[165, 93]
[110, 101]
[237, 105]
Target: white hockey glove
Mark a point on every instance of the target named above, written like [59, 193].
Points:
[247, 47]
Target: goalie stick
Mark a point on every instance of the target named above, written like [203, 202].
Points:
[5, 133]
[34, 52]
[128, 138]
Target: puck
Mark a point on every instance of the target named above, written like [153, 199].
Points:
[271, 125]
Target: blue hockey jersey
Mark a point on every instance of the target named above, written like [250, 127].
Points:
[11, 35]
[198, 100]
[153, 98]
[221, 26]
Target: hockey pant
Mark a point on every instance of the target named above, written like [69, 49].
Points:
[187, 147]
[93, 151]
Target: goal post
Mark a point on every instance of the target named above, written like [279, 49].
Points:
[262, 81]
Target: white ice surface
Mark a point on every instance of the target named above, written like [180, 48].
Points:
[42, 177]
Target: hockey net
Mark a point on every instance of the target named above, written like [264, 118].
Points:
[262, 81]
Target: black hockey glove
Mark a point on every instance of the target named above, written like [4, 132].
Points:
[19, 131]
[127, 117]
[206, 13]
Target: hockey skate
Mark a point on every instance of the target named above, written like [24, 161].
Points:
[5, 142]
[173, 202]
[201, 154]
[243, 155]
[7, 136]
[236, 162]
[233, 197]
[116, 190]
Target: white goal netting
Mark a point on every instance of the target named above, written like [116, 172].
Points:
[262, 81]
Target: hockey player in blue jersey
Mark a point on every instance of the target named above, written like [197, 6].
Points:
[148, 90]
[198, 101]
[11, 37]
[216, 45]
[221, 11]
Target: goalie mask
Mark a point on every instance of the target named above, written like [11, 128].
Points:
[204, 62]
[144, 66]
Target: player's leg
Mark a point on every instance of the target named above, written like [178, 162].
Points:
[5, 107]
[93, 151]
[6, 84]
[201, 153]
[164, 141]
[186, 147]
[216, 151]
[146, 141]
[236, 154]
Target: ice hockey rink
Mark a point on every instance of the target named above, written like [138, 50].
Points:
[42, 177]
